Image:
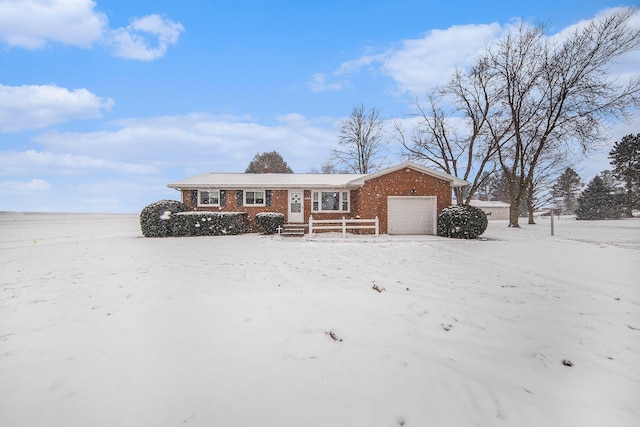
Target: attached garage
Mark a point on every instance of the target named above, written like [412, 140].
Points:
[404, 198]
[412, 214]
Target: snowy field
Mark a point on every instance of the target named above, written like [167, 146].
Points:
[102, 327]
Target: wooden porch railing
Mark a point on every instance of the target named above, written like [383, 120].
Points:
[344, 225]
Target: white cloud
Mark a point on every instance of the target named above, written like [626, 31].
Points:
[32, 160]
[18, 187]
[418, 64]
[339, 79]
[33, 107]
[319, 83]
[357, 64]
[133, 41]
[32, 24]
[221, 143]
[422, 64]
[624, 67]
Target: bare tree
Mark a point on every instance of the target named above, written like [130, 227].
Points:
[555, 91]
[437, 139]
[539, 192]
[327, 167]
[361, 140]
[271, 162]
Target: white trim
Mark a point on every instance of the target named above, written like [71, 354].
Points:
[311, 181]
[344, 225]
[295, 217]
[244, 197]
[308, 181]
[274, 181]
[208, 190]
[341, 201]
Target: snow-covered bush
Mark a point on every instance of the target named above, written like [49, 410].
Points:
[462, 222]
[156, 219]
[169, 218]
[269, 222]
[209, 223]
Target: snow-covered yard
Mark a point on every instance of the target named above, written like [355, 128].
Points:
[102, 327]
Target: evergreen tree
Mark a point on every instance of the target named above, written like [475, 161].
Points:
[610, 181]
[271, 162]
[499, 188]
[567, 189]
[625, 159]
[483, 192]
[598, 201]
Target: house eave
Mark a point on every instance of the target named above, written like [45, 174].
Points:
[228, 186]
[239, 181]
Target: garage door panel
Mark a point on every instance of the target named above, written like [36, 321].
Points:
[411, 215]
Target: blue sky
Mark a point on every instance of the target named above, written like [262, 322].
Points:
[103, 103]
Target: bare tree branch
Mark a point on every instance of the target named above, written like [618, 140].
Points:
[361, 140]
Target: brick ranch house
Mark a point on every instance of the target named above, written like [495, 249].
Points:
[406, 198]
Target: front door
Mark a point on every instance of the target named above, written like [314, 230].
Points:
[296, 206]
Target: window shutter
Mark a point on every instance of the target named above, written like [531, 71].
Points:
[194, 198]
[267, 197]
[223, 198]
[239, 197]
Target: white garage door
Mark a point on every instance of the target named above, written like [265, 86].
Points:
[411, 215]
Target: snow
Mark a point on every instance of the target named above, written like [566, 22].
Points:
[270, 214]
[208, 213]
[100, 326]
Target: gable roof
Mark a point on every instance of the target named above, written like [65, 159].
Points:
[299, 180]
[454, 181]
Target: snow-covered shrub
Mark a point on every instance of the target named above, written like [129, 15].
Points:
[156, 219]
[269, 222]
[462, 222]
[209, 223]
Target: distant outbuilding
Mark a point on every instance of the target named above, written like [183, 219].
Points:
[494, 210]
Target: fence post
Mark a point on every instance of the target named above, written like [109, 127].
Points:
[310, 225]
[344, 227]
[377, 226]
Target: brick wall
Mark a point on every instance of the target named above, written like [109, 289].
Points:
[367, 202]
[371, 199]
[326, 215]
[279, 203]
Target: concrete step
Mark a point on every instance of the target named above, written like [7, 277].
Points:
[293, 230]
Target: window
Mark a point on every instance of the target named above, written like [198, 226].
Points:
[254, 198]
[330, 201]
[209, 198]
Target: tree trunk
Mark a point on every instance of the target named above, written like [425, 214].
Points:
[513, 217]
[530, 202]
[531, 219]
[459, 193]
[515, 194]
[513, 213]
